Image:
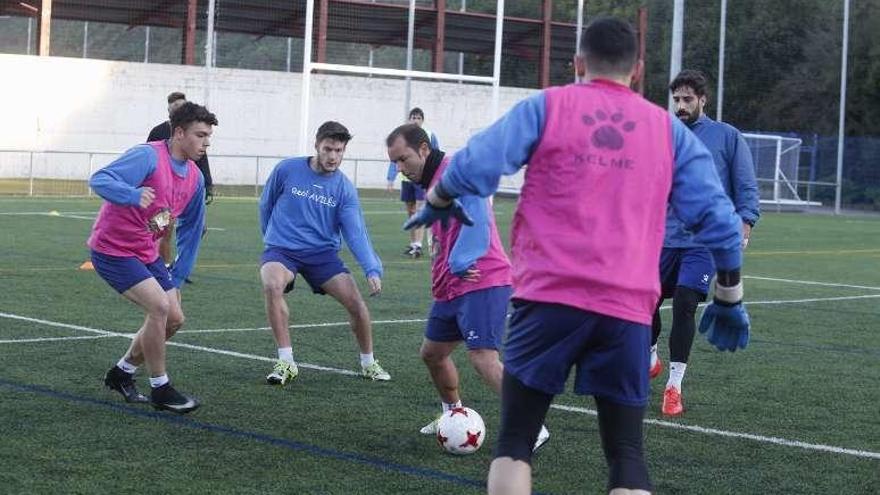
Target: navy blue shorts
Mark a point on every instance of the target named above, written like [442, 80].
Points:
[686, 267]
[316, 268]
[411, 192]
[610, 355]
[124, 272]
[478, 318]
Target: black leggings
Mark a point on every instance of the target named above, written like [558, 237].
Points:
[523, 410]
[684, 325]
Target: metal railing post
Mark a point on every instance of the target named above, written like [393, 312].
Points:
[31, 174]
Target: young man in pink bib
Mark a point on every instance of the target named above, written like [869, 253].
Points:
[603, 163]
[470, 277]
[145, 190]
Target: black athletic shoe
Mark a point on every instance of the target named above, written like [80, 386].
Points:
[122, 382]
[414, 252]
[165, 397]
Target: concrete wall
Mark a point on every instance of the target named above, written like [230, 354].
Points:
[68, 104]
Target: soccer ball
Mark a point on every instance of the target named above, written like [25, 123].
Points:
[461, 431]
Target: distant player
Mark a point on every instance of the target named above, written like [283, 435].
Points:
[686, 266]
[161, 132]
[305, 206]
[411, 193]
[145, 190]
[470, 279]
[585, 244]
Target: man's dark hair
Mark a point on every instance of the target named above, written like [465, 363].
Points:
[417, 111]
[177, 95]
[333, 130]
[190, 112]
[412, 135]
[693, 79]
[609, 46]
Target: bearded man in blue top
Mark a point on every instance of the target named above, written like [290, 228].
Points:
[306, 205]
[686, 266]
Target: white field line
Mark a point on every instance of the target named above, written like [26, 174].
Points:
[107, 333]
[698, 429]
[422, 320]
[732, 434]
[54, 339]
[376, 322]
[810, 282]
[304, 325]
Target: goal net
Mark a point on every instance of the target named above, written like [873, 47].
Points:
[777, 162]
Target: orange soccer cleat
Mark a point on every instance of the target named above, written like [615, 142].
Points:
[672, 402]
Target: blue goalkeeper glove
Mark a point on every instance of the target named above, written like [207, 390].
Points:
[725, 322]
[430, 214]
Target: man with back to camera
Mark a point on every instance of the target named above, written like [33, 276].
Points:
[585, 243]
[686, 267]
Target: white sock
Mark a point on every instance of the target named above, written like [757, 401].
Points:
[676, 374]
[367, 359]
[158, 381]
[417, 244]
[285, 354]
[126, 366]
[654, 356]
[447, 406]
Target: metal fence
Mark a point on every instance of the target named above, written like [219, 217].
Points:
[66, 173]
[775, 66]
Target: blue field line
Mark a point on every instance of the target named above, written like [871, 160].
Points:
[293, 445]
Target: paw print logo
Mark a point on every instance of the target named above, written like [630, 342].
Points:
[608, 134]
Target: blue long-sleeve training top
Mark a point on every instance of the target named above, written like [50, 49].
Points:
[119, 183]
[302, 210]
[736, 170]
[504, 147]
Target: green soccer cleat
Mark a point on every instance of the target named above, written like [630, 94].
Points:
[375, 372]
[282, 373]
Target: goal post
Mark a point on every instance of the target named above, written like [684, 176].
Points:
[403, 71]
[777, 167]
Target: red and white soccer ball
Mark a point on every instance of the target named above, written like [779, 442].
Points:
[461, 431]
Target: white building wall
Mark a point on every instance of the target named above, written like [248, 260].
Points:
[82, 105]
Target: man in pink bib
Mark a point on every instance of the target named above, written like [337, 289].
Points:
[586, 236]
[470, 276]
[145, 190]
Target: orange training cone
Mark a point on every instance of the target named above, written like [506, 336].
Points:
[87, 265]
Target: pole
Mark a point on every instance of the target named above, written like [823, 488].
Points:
[580, 26]
[85, 39]
[147, 45]
[209, 35]
[30, 40]
[461, 54]
[722, 42]
[496, 69]
[677, 34]
[841, 123]
[306, 77]
[410, 35]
